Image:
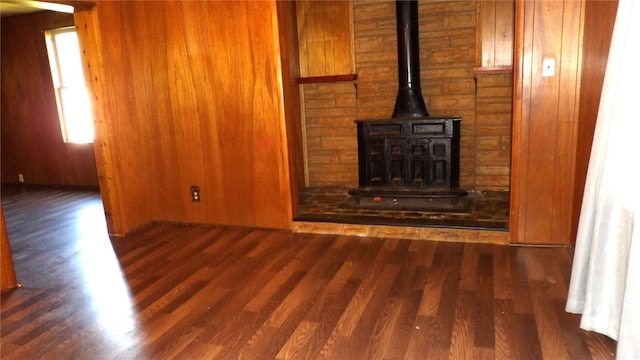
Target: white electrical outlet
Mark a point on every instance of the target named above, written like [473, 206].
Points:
[548, 67]
[20, 178]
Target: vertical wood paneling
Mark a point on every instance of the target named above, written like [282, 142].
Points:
[598, 27]
[487, 38]
[568, 105]
[496, 19]
[504, 33]
[545, 121]
[32, 142]
[325, 37]
[7, 272]
[108, 164]
[542, 134]
[521, 105]
[289, 60]
[194, 98]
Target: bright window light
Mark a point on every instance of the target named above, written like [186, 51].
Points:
[74, 109]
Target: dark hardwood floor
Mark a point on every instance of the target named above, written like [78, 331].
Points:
[204, 292]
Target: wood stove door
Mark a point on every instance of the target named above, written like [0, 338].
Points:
[397, 162]
[440, 163]
[375, 164]
[402, 162]
[419, 163]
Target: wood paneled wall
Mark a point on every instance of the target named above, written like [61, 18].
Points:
[7, 272]
[32, 142]
[545, 120]
[190, 93]
[290, 72]
[325, 36]
[495, 35]
[599, 18]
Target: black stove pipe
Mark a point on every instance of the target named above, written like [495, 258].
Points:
[409, 102]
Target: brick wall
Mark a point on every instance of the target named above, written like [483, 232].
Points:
[449, 86]
[493, 131]
[332, 149]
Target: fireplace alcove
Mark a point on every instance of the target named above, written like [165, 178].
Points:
[408, 172]
[409, 176]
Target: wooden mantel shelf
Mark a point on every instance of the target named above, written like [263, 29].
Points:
[487, 70]
[326, 79]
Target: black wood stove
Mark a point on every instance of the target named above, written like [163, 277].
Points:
[410, 155]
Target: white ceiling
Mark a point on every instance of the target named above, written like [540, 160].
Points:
[19, 7]
[9, 9]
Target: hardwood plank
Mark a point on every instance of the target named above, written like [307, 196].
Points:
[233, 337]
[418, 346]
[404, 326]
[463, 336]
[391, 311]
[502, 277]
[576, 345]
[503, 332]
[172, 290]
[469, 269]
[354, 345]
[298, 341]
[440, 334]
[527, 342]
[484, 304]
[352, 314]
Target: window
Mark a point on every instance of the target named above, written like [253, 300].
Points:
[74, 109]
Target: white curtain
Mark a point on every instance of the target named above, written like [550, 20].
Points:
[605, 280]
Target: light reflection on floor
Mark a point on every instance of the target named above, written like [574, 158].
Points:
[67, 248]
[103, 279]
